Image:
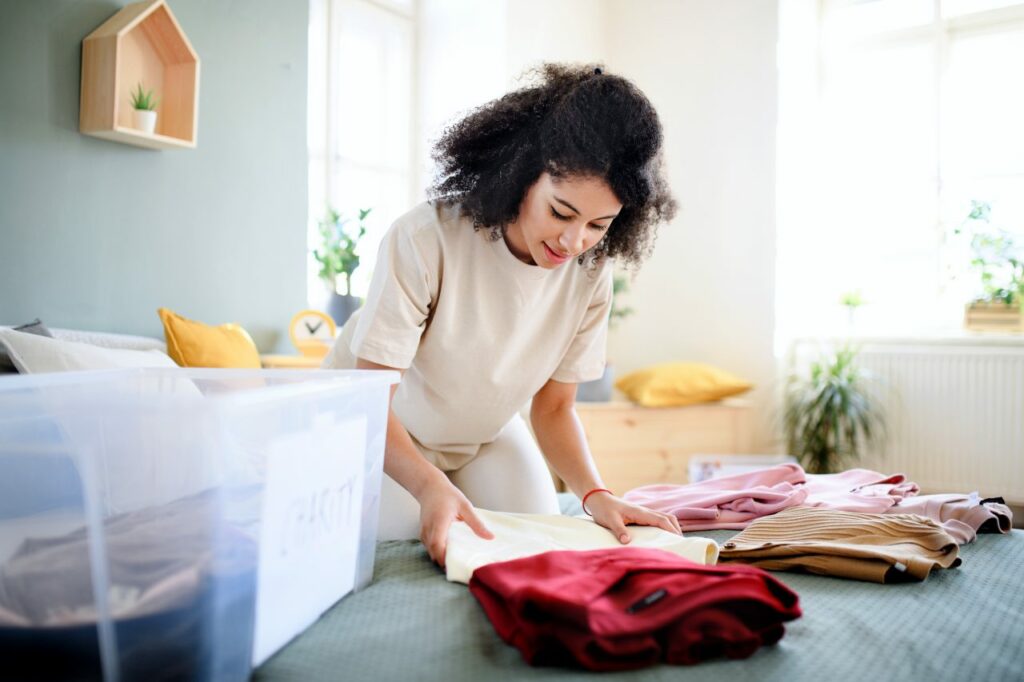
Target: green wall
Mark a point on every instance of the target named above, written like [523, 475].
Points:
[97, 235]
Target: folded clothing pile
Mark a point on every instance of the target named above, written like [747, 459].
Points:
[734, 502]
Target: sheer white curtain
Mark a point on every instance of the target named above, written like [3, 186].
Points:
[894, 114]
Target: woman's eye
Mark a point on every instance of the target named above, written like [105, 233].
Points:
[558, 215]
[599, 228]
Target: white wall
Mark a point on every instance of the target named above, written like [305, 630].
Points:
[559, 31]
[706, 295]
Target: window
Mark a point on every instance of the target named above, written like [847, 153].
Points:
[361, 119]
[894, 115]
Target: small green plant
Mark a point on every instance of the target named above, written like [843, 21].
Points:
[829, 416]
[620, 285]
[997, 257]
[337, 251]
[852, 299]
[143, 99]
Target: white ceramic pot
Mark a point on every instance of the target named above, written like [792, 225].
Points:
[145, 120]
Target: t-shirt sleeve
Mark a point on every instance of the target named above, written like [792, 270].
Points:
[400, 296]
[585, 358]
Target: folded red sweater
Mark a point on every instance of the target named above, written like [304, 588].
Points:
[629, 607]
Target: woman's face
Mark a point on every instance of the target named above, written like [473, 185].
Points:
[560, 218]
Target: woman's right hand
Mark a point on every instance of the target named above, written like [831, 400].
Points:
[441, 503]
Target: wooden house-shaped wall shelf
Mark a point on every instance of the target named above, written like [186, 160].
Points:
[142, 43]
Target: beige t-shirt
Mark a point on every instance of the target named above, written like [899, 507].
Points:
[479, 331]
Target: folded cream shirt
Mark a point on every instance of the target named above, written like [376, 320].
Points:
[522, 535]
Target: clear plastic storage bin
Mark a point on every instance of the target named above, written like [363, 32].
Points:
[181, 524]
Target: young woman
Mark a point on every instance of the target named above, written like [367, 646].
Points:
[497, 292]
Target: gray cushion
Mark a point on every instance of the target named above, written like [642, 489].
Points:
[34, 327]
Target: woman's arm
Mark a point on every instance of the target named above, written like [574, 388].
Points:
[561, 439]
[440, 501]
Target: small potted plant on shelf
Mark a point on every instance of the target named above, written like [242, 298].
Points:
[338, 258]
[600, 390]
[998, 257]
[144, 104]
[830, 416]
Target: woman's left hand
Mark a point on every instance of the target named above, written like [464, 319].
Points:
[614, 514]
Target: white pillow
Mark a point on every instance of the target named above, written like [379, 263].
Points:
[34, 354]
[108, 340]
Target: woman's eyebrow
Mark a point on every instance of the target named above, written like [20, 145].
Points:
[568, 205]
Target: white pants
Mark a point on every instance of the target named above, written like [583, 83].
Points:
[508, 474]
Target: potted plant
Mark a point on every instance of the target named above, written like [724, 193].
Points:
[851, 300]
[830, 416]
[999, 260]
[144, 105]
[338, 258]
[600, 390]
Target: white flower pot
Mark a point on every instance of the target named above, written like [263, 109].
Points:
[145, 120]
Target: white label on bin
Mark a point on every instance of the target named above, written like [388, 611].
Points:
[309, 533]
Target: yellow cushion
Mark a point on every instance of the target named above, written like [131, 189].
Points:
[680, 383]
[194, 344]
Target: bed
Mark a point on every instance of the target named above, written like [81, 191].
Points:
[965, 623]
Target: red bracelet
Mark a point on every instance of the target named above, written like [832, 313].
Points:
[595, 490]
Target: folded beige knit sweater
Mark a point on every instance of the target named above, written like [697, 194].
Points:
[880, 548]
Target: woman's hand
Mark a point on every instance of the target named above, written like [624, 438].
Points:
[614, 513]
[441, 503]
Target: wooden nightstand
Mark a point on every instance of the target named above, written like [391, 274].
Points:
[290, 362]
[634, 446]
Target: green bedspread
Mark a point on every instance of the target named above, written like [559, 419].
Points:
[964, 624]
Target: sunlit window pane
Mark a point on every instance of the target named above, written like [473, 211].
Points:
[879, 108]
[984, 105]
[371, 97]
[849, 20]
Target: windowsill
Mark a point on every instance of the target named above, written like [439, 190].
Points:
[951, 337]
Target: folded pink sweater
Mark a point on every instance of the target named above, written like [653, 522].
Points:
[730, 502]
[858, 490]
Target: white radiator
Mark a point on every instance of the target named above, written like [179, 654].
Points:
[954, 412]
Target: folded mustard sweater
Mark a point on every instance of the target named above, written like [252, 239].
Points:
[878, 548]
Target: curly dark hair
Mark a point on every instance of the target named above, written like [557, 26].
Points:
[574, 121]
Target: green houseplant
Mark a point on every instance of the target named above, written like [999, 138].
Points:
[337, 257]
[620, 286]
[998, 258]
[600, 390]
[144, 106]
[830, 415]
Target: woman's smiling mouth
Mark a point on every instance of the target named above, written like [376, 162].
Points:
[553, 255]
